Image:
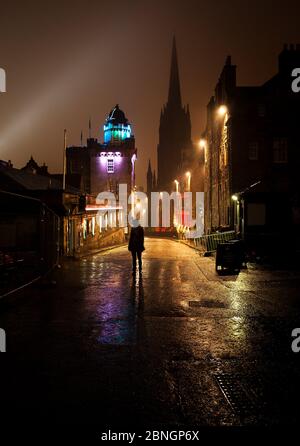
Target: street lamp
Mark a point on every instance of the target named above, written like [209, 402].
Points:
[236, 212]
[203, 148]
[177, 185]
[202, 143]
[222, 110]
[188, 174]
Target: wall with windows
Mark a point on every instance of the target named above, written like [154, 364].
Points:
[87, 232]
[109, 169]
[258, 142]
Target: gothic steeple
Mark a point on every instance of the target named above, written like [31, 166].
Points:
[174, 97]
[174, 131]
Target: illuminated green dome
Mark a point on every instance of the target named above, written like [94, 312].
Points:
[116, 127]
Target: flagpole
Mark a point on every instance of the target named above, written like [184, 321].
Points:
[64, 159]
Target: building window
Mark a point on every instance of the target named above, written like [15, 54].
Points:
[280, 150]
[253, 151]
[110, 166]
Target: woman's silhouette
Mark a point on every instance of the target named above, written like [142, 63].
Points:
[136, 245]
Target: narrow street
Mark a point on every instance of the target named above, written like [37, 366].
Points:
[101, 346]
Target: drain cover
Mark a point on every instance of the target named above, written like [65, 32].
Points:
[236, 394]
[206, 304]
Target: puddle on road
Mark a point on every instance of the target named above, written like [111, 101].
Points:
[121, 332]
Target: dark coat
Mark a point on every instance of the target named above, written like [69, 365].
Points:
[136, 240]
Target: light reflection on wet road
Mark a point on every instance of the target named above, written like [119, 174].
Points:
[149, 347]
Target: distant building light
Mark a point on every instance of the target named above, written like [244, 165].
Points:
[188, 174]
[98, 207]
[111, 154]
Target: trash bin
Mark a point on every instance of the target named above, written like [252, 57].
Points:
[240, 246]
[229, 257]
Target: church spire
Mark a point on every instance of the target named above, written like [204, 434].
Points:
[174, 97]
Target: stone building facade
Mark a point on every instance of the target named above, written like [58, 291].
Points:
[103, 166]
[252, 154]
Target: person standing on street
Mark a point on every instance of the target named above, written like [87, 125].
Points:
[136, 245]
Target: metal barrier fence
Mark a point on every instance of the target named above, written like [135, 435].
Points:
[209, 243]
[29, 240]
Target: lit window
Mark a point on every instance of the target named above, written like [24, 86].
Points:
[280, 150]
[253, 151]
[110, 166]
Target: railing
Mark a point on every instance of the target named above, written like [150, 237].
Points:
[29, 240]
[208, 243]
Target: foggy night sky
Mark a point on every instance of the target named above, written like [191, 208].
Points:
[68, 60]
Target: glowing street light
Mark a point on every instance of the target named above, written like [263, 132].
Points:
[202, 143]
[234, 197]
[177, 185]
[222, 110]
